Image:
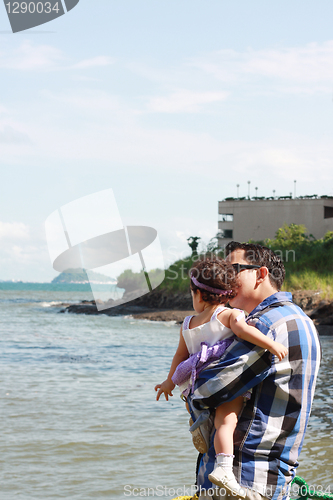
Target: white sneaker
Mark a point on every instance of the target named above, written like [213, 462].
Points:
[226, 480]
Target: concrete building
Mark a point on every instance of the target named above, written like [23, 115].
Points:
[257, 219]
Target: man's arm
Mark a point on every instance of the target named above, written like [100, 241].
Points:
[242, 367]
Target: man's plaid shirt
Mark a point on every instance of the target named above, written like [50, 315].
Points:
[271, 427]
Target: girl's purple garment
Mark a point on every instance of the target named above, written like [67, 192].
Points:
[192, 366]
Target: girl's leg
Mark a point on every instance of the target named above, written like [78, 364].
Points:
[225, 422]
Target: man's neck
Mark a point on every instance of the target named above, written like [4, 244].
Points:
[253, 304]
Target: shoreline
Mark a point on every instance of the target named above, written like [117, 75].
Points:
[159, 306]
[137, 312]
[179, 316]
[166, 315]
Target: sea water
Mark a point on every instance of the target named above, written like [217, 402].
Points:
[79, 418]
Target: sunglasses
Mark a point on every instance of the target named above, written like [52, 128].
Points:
[240, 267]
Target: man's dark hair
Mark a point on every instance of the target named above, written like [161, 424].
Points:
[261, 256]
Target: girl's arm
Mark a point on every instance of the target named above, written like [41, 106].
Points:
[168, 386]
[251, 334]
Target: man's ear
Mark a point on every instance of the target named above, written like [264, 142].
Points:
[262, 274]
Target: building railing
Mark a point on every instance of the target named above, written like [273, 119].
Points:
[255, 198]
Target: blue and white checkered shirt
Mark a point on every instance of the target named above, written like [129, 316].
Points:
[271, 427]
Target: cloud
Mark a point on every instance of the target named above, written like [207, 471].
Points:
[3, 110]
[99, 127]
[31, 57]
[26, 254]
[9, 135]
[94, 101]
[184, 101]
[14, 231]
[23, 252]
[299, 69]
[26, 262]
[102, 127]
[312, 63]
[127, 129]
[94, 62]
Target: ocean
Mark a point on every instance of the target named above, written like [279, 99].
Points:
[78, 410]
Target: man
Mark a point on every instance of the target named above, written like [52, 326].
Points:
[271, 427]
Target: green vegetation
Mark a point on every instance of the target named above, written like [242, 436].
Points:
[135, 281]
[308, 263]
[176, 277]
[80, 276]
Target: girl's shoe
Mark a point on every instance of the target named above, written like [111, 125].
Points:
[226, 480]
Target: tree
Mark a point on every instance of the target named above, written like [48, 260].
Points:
[328, 239]
[328, 236]
[193, 244]
[131, 281]
[213, 244]
[291, 236]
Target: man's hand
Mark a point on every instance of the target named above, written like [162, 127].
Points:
[279, 350]
[165, 388]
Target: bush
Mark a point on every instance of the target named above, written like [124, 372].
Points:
[308, 263]
[311, 265]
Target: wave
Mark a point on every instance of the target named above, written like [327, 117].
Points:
[38, 302]
[56, 303]
[22, 300]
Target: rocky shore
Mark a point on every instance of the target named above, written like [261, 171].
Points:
[159, 306]
[155, 306]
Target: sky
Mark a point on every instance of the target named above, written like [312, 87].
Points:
[170, 105]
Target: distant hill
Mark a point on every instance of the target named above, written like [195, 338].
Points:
[80, 276]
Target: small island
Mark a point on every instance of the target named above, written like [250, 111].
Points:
[80, 275]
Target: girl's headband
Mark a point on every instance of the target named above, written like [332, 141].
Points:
[209, 288]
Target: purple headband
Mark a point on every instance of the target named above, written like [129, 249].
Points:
[209, 288]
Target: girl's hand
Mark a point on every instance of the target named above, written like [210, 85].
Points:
[165, 388]
[279, 350]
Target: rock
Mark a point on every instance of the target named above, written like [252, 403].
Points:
[307, 299]
[177, 316]
[325, 329]
[85, 307]
[323, 314]
[156, 304]
[161, 300]
[161, 306]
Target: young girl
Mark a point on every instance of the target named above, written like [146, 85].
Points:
[204, 338]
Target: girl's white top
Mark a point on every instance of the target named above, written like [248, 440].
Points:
[210, 332]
